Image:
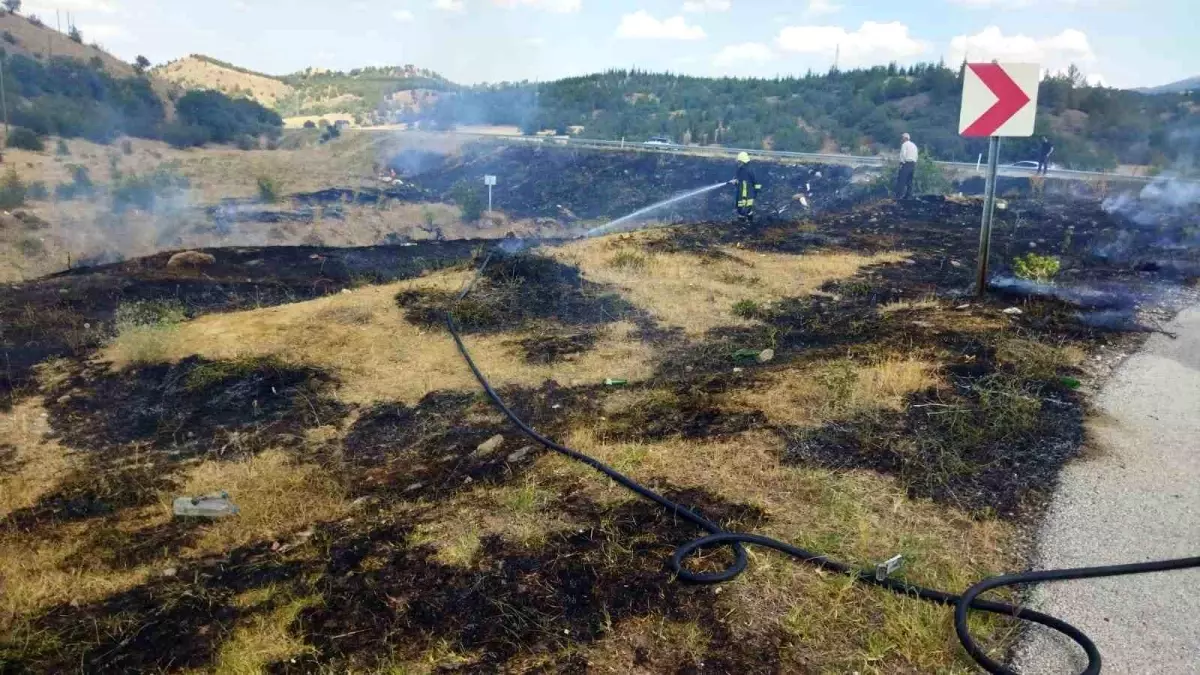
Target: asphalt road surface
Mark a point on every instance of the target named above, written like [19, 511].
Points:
[1134, 497]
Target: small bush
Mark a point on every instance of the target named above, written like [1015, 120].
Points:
[31, 248]
[12, 191]
[80, 185]
[268, 189]
[246, 142]
[61, 149]
[37, 191]
[75, 34]
[144, 329]
[143, 191]
[35, 20]
[628, 260]
[469, 201]
[309, 124]
[127, 146]
[10, 38]
[182, 136]
[1036, 267]
[747, 309]
[25, 139]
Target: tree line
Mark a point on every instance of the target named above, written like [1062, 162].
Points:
[70, 98]
[861, 111]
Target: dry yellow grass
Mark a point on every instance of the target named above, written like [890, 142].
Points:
[1035, 360]
[855, 516]
[277, 498]
[697, 294]
[38, 573]
[39, 463]
[647, 645]
[193, 73]
[265, 637]
[519, 513]
[387, 358]
[910, 305]
[814, 394]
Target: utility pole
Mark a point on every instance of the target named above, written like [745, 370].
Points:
[4, 99]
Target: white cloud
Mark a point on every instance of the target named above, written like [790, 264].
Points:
[103, 31]
[1019, 4]
[642, 26]
[402, 15]
[1053, 53]
[535, 42]
[822, 7]
[701, 6]
[46, 7]
[871, 43]
[746, 53]
[557, 6]
[240, 6]
[449, 5]
[1096, 80]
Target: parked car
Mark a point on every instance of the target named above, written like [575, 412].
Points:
[658, 140]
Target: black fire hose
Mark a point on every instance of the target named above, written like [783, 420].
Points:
[735, 540]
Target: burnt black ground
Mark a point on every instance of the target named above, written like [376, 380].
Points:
[382, 592]
[70, 314]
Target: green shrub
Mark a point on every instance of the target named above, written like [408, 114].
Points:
[10, 38]
[75, 34]
[309, 124]
[37, 191]
[182, 136]
[127, 146]
[1036, 267]
[31, 248]
[747, 309]
[268, 189]
[25, 139]
[143, 191]
[929, 178]
[61, 148]
[246, 142]
[12, 191]
[467, 197]
[144, 329]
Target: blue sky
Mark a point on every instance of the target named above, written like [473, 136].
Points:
[1121, 42]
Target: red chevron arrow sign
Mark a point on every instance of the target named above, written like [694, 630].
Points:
[999, 99]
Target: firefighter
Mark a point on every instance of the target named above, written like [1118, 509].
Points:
[746, 188]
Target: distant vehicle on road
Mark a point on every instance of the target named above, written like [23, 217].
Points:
[658, 140]
[1030, 164]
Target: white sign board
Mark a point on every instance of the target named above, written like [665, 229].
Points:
[489, 180]
[999, 99]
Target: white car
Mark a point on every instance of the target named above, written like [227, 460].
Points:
[658, 140]
[1029, 164]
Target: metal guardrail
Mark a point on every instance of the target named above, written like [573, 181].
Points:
[851, 160]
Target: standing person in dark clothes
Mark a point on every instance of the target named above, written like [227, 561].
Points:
[1044, 153]
[908, 167]
[747, 188]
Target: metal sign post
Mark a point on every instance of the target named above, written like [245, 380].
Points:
[999, 99]
[489, 181]
[989, 203]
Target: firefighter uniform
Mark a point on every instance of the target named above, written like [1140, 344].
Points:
[746, 188]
